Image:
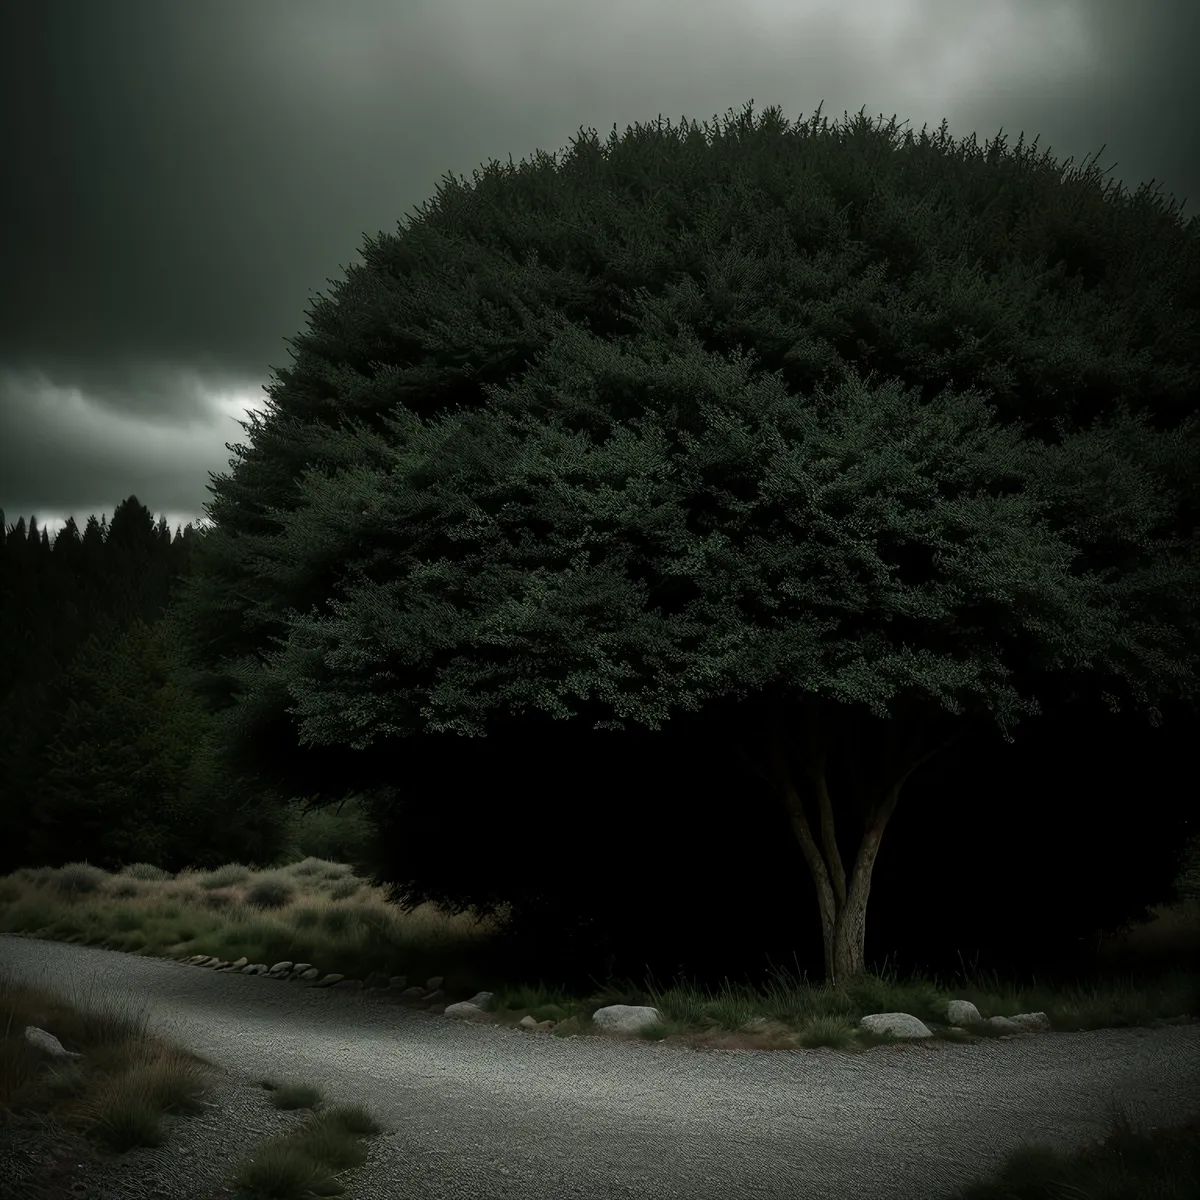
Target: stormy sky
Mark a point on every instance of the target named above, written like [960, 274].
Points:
[180, 179]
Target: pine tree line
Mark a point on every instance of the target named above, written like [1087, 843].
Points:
[104, 750]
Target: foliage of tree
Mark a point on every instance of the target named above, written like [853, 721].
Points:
[105, 751]
[1187, 882]
[117, 763]
[804, 417]
[120, 783]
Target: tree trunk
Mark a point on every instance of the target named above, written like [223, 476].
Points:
[843, 907]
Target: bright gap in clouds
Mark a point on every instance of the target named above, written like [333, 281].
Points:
[91, 443]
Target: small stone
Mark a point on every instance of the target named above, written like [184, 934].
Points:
[329, 981]
[48, 1042]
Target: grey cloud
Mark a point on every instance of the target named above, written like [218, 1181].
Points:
[182, 179]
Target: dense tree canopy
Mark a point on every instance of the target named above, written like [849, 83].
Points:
[800, 415]
[104, 750]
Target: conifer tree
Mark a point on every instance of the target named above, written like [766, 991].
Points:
[127, 776]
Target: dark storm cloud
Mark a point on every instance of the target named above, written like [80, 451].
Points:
[181, 178]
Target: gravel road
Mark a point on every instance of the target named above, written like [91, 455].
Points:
[481, 1111]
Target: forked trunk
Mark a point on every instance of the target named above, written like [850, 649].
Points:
[843, 905]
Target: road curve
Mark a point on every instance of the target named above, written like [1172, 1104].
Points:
[486, 1111]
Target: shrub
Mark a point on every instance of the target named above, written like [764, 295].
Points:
[79, 879]
[1187, 883]
[272, 891]
[218, 899]
[224, 876]
[332, 836]
[312, 867]
[145, 871]
[29, 874]
[344, 889]
[337, 920]
[306, 918]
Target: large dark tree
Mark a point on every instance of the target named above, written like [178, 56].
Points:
[836, 430]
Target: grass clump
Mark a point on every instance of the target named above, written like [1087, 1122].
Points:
[115, 1095]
